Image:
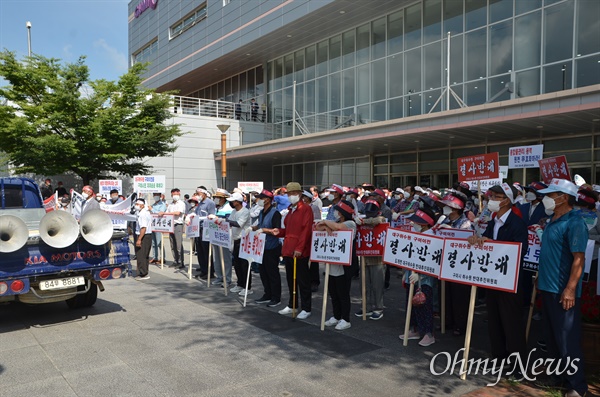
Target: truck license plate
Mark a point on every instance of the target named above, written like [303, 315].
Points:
[61, 283]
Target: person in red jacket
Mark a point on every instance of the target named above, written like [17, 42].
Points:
[297, 233]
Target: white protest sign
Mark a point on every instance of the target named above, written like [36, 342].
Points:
[205, 231]
[453, 233]
[485, 184]
[163, 224]
[525, 156]
[252, 246]
[415, 251]
[119, 213]
[494, 266]
[589, 253]
[334, 248]
[149, 184]
[106, 185]
[193, 229]
[248, 187]
[219, 234]
[532, 256]
[503, 171]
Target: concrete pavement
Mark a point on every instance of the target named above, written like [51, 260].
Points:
[170, 336]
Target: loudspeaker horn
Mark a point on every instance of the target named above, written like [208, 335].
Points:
[96, 227]
[59, 229]
[13, 233]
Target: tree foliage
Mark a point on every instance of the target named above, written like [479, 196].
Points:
[55, 119]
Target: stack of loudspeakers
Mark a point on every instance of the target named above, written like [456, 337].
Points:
[58, 229]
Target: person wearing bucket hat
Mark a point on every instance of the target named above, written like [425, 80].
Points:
[239, 221]
[340, 277]
[421, 322]
[268, 220]
[562, 254]
[223, 209]
[506, 327]
[457, 295]
[374, 267]
[296, 234]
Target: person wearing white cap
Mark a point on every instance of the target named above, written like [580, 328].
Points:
[239, 220]
[559, 280]
[144, 239]
[335, 195]
[506, 327]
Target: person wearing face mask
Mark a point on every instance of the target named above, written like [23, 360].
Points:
[335, 195]
[144, 239]
[352, 197]
[421, 320]
[223, 209]
[63, 204]
[315, 278]
[559, 279]
[177, 208]
[114, 197]
[340, 277]
[268, 220]
[156, 207]
[532, 208]
[90, 203]
[297, 233]
[506, 327]
[457, 295]
[239, 220]
[205, 208]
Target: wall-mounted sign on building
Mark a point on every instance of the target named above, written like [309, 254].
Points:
[144, 5]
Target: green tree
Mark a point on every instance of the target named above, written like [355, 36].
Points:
[55, 119]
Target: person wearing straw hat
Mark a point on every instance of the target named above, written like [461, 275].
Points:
[506, 327]
[421, 322]
[297, 233]
[268, 220]
[223, 210]
[559, 280]
[340, 277]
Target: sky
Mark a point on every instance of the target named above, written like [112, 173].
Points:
[67, 29]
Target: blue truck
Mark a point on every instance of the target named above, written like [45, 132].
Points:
[51, 257]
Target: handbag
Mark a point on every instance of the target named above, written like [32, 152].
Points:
[419, 298]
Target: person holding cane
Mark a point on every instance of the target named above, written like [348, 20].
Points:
[296, 233]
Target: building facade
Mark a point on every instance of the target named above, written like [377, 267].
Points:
[390, 91]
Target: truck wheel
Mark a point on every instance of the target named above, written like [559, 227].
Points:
[83, 300]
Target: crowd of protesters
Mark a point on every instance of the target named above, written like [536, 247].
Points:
[564, 215]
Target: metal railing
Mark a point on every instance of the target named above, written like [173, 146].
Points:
[202, 107]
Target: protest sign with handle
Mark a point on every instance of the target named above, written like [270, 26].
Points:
[414, 251]
[478, 167]
[554, 167]
[252, 246]
[163, 224]
[370, 240]
[334, 247]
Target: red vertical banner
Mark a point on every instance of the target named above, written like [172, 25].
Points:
[478, 167]
[554, 167]
[370, 240]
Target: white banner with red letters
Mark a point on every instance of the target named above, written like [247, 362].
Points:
[163, 224]
[370, 240]
[51, 202]
[252, 246]
[415, 251]
[495, 265]
[334, 248]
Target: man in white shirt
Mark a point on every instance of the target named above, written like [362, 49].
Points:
[144, 239]
[176, 208]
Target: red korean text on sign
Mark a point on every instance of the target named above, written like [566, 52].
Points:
[478, 167]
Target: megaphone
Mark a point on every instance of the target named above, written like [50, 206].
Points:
[96, 227]
[13, 233]
[59, 229]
